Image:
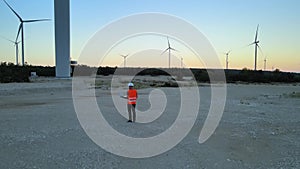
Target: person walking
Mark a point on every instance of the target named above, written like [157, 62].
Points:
[132, 96]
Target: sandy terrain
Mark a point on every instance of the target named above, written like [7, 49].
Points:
[260, 128]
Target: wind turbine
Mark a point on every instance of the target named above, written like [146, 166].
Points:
[227, 54]
[181, 62]
[16, 43]
[265, 63]
[21, 27]
[124, 56]
[169, 49]
[256, 41]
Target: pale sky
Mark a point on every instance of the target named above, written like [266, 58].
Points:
[227, 24]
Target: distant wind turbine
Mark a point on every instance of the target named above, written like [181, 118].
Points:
[124, 56]
[21, 27]
[169, 49]
[256, 41]
[16, 43]
[181, 62]
[227, 54]
[265, 63]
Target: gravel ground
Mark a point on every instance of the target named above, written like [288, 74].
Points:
[260, 128]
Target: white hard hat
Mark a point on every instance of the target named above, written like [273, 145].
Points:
[130, 85]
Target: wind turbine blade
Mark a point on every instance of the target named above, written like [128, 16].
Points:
[173, 49]
[227, 53]
[20, 27]
[13, 11]
[256, 33]
[7, 39]
[260, 49]
[124, 56]
[164, 51]
[251, 44]
[168, 42]
[36, 20]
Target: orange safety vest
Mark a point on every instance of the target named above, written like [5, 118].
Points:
[132, 96]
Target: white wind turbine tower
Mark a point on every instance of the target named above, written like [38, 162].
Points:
[21, 28]
[256, 41]
[16, 43]
[227, 61]
[124, 56]
[169, 49]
